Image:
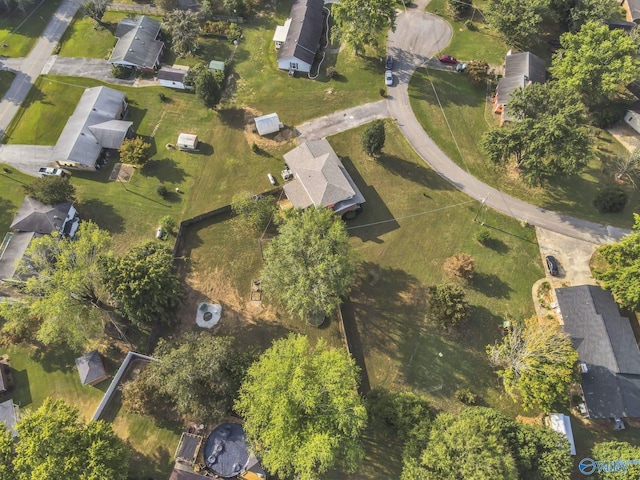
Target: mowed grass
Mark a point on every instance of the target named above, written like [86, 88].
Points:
[484, 43]
[19, 31]
[465, 109]
[6, 78]
[85, 38]
[11, 196]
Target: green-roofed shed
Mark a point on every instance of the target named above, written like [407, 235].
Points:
[216, 65]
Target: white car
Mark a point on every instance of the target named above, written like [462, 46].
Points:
[47, 171]
[388, 78]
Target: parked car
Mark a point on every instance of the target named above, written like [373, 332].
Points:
[448, 59]
[552, 265]
[47, 171]
[389, 63]
[388, 78]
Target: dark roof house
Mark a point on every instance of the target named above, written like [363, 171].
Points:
[9, 415]
[607, 347]
[320, 179]
[633, 10]
[520, 70]
[137, 44]
[91, 369]
[305, 26]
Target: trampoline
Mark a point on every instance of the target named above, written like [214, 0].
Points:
[225, 451]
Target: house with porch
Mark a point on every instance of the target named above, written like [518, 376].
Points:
[298, 40]
[138, 45]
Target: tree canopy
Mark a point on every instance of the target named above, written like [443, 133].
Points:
[142, 283]
[448, 305]
[51, 189]
[205, 83]
[611, 451]
[302, 413]
[309, 265]
[95, 9]
[55, 443]
[183, 27]
[254, 212]
[135, 151]
[360, 22]
[621, 272]
[518, 22]
[373, 138]
[537, 363]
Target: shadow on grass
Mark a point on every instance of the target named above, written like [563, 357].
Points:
[419, 174]
[451, 87]
[233, 117]
[21, 395]
[497, 246]
[7, 212]
[165, 170]
[103, 214]
[191, 238]
[146, 467]
[490, 285]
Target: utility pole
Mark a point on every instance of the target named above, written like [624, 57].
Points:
[484, 200]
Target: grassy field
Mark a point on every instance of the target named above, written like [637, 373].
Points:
[6, 77]
[466, 110]
[11, 195]
[19, 31]
[74, 42]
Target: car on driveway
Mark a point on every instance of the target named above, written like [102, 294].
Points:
[552, 265]
[389, 63]
[48, 171]
[388, 78]
[448, 59]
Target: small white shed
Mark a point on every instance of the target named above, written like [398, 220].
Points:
[562, 424]
[267, 124]
[187, 141]
[632, 117]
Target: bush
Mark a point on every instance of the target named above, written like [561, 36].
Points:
[478, 70]
[610, 200]
[255, 148]
[168, 224]
[373, 138]
[460, 266]
[459, 8]
[134, 151]
[162, 191]
[483, 236]
[465, 396]
[383, 92]
[331, 72]
[604, 116]
[119, 71]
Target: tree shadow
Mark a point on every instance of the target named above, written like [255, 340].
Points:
[21, 395]
[103, 214]
[150, 466]
[135, 115]
[164, 169]
[7, 213]
[490, 285]
[497, 246]
[419, 174]
[232, 117]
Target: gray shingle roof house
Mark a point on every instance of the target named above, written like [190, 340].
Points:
[520, 70]
[320, 179]
[303, 31]
[9, 415]
[137, 45]
[633, 10]
[91, 369]
[606, 345]
[96, 123]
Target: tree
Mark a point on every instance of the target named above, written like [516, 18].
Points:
[134, 151]
[518, 22]
[461, 266]
[548, 136]
[254, 211]
[448, 305]
[308, 266]
[596, 62]
[584, 11]
[621, 273]
[63, 287]
[628, 167]
[619, 452]
[55, 443]
[537, 363]
[51, 190]
[168, 5]
[359, 23]
[373, 138]
[168, 224]
[205, 84]
[6, 453]
[142, 283]
[199, 375]
[183, 27]
[95, 9]
[459, 8]
[302, 413]
[477, 71]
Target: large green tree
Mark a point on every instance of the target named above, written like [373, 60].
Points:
[373, 138]
[199, 375]
[621, 272]
[6, 453]
[54, 443]
[254, 212]
[142, 283]
[607, 452]
[135, 151]
[359, 22]
[537, 363]
[205, 83]
[517, 21]
[596, 62]
[303, 415]
[448, 305]
[309, 265]
[183, 27]
[51, 189]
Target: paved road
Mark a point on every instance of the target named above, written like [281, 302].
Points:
[33, 64]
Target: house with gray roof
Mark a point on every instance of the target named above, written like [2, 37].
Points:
[632, 7]
[520, 70]
[138, 45]
[96, 123]
[298, 40]
[607, 350]
[9, 415]
[91, 368]
[320, 179]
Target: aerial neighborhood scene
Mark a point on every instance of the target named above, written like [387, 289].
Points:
[319, 239]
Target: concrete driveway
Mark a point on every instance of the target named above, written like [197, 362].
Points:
[84, 67]
[573, 257]
[26, 158]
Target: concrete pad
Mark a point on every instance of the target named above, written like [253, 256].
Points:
[573, 257]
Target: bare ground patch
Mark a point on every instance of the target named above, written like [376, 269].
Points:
[121, 172]
[264, 142]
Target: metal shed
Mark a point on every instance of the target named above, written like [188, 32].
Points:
[187, 141]
[267, 124]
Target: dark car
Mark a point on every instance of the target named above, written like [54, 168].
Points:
[552, 265]
[448, 59]
[389, 63]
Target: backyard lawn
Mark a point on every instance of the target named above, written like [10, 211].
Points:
[11, 196]
[86, 39]
[467, 111]
[19, 31]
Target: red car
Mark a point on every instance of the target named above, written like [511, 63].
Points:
[448, 59]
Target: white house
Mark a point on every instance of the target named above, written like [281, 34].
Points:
[302, 40]
[562, 424]
[267, 124]
[632, 117]
[172, 77]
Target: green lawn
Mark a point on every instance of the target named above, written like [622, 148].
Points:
[11, 195]
[6, 77]
[481, 44]
[469, 115]
[74, 42]
[19, 31]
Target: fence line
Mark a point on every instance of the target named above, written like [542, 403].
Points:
[127, 8]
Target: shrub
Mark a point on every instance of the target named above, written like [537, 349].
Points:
[119, 71]
[162, 97]
[134, 151]
[255, 148]
[162, 191]
[383, 92]
[373, 138]
[458, 8]
[610, 200]
[168, 224]
[331, 72]
[483, 236]
[460, 266]
[477, 70]
[465, 396]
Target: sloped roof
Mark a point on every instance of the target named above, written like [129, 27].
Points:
[280, 35]
[320, 177]
[111, 134]
[267, 123]
[137, 44]
[77, 143]
[172, 74]
[606, 344]
[90, 367]
[9, 416]
[562, 424]
[634, 9]
[303, 37]
[520, 69]
[37, 217]
[14, 252]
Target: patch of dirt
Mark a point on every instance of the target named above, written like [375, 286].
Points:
[270, 141]
[121, 172]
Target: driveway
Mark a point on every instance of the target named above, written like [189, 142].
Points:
[26, 158]
[84, 67]
[573, 257]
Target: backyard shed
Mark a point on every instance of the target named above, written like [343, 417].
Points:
[267, 124]
[632, 116]
[172, 77]
[562, 424]
[216, 65]
[91, 369]
[187, 141]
